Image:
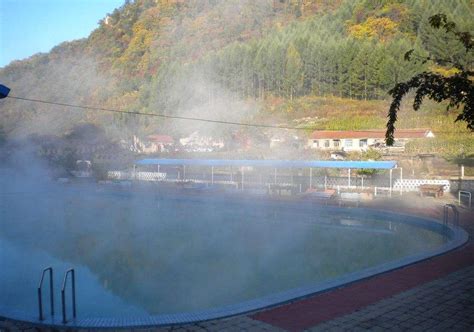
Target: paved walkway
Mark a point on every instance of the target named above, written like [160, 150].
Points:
[446, 304]
[325, 307]
[434, 295]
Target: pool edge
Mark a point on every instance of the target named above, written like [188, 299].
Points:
[459, 238]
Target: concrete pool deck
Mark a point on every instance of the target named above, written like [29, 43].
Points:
[436, 294]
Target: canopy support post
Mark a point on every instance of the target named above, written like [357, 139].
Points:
[349, 178]
[391, 182]
[401, 181]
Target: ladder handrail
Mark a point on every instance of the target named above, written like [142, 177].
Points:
[51, 295]
[446, 214]
[63, 294]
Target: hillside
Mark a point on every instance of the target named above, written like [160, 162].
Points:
[269, 61]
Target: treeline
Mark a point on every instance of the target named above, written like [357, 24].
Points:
[300, 62]
[166, 55]
[337, 54]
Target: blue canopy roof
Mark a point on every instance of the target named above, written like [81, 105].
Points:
[271, 163]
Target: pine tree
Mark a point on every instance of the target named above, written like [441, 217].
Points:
[293, 71]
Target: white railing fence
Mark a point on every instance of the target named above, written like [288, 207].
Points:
[142, 176]
[414, 184]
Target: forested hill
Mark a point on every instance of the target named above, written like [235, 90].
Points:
[227, 59]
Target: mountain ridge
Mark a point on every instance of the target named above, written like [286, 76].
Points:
[268, 61]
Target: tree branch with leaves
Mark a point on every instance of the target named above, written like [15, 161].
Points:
[457, 89]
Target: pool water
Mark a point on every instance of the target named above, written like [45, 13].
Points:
[148, 253]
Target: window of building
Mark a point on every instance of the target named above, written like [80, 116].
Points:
[315, 143]
[336, 143]
[348, 143]
[326, 143]
[362, 143]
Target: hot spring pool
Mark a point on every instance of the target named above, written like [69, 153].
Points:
[157, 258]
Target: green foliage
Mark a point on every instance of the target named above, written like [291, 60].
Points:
[371, 154]
[458, 88]
[147, 55]
[451, 147]
[293, 71]
[323, 57]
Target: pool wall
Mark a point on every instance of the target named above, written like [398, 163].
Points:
[456, 235]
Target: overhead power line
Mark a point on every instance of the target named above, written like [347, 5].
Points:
[257, 125]
[157, 115]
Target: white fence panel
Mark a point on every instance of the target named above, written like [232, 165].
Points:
[414, 184]
[150, 176]
[141, 176]
[118, 175]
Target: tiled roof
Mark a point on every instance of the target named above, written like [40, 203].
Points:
[361, 134]
[161, 139]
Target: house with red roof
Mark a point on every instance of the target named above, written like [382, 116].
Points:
[161, 139]
[361, 140]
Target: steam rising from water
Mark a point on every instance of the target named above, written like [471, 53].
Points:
[68, 78]
[199, 98]
[164, 252]
[64, 79]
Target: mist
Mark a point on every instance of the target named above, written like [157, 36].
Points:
[185, 243]
[159, 249]
[72, 73]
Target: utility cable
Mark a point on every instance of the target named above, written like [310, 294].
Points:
[157, 115]
[170, 116]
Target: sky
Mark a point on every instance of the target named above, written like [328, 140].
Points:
[31, 26]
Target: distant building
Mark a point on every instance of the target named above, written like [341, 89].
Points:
[199, 143]
[363, 139]
[153, 144]
[161, 139]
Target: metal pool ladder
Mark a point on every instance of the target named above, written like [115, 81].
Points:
[51, 295]
[63, 293]
[446, 214]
